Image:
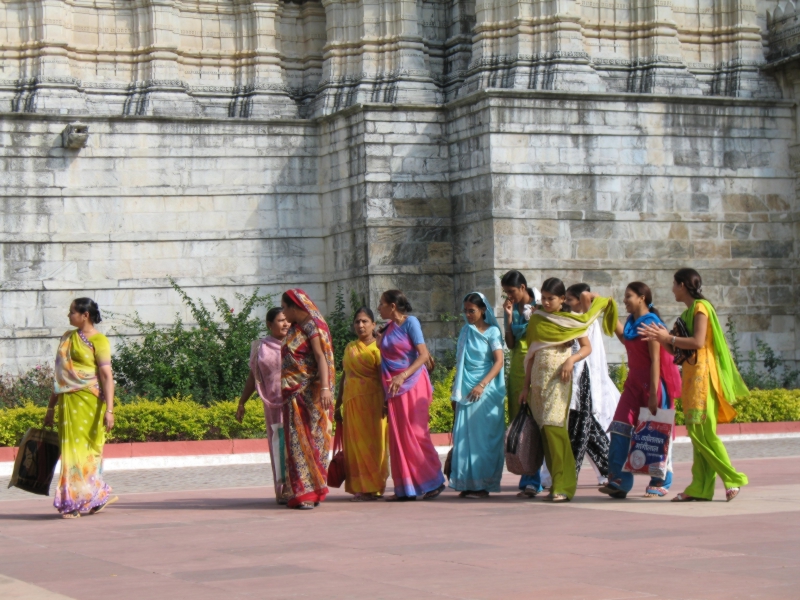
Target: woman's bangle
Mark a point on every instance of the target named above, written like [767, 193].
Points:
[326, 389]
[111, 412]
[50, 409]
[672, 343]
[483, 385]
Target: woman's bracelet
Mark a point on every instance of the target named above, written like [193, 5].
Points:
[50, 409]
[111, 412]
[326, 389]
[672, 343]
[483, 385]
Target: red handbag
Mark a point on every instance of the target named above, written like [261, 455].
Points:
[336, 474]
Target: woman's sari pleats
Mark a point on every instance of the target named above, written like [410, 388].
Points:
[307, 425]
[365, 430]
[479, 431]
[415, 464]
[265, 363]
[80, 423]
[705, 384]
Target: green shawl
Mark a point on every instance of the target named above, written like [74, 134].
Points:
[732, 384]
[549, 329]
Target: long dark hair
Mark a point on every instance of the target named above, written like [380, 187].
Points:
[642, 289]
[475, 299]
[399, 299]
[513, 279]
[287, 300]
[576, 289]
[87, 305]
[554, 286]
[273, 313]
[365, 310]
[692, 281]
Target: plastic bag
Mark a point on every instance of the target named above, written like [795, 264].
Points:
[37, 456]
[524, 450]
[651, 443]
[336, 474]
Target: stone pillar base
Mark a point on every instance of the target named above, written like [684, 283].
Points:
[264, 104]
[668, 79]
[744, 81]
[51, 95]
[161, 98]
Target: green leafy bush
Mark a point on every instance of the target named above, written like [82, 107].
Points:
[774, 374]
[761, 406]
[32, 387]
[618, 374]
[143, 420]
[207, 362]
[441, 412]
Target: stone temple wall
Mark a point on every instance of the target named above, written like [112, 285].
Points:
[430, 145]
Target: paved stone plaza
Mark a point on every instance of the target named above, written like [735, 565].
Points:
[232, 542]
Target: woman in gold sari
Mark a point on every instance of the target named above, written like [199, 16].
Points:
[360, 411]
[84, 398]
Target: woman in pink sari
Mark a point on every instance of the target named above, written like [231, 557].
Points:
[416, 469]
[265, 378]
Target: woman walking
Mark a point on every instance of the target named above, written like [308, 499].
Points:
[360, 412]
[416, 470]
[548, 376]
[594, 396]
[265, 378]
[711, 382]
[479, 394]
[520, 303]
[307, 375]
[84, 394]
[653, 382]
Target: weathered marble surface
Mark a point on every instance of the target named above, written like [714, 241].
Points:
[429, 146]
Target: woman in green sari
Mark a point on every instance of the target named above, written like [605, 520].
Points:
[84, 398]
[711, 383]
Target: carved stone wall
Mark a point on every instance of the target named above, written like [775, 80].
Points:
[428, 145]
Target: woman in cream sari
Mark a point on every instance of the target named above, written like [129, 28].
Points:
[548, 376]
[84, 398]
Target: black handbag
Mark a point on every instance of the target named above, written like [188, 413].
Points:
[681, 355]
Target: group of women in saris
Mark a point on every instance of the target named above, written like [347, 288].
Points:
[557, 366]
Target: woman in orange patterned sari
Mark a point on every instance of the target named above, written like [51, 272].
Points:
[360, 411]
[307, 375]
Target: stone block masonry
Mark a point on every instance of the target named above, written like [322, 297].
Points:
[429, 146]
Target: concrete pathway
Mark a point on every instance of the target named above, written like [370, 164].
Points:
[236, 543]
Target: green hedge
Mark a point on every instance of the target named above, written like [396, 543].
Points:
[183, 419]
[143, 420]
[761, 406]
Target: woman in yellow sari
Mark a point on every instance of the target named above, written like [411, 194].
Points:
[84, 398]
[360, 411]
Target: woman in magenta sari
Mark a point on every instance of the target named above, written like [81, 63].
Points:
[265, 378]
[307, 376]
[416, 469]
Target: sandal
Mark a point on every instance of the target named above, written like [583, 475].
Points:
[396, 498]
[74, 514]
[477, 495]
[98, 509]
[731, 493]
[684, 498]
[305, 506]
[655, 492]
[558, 498]
[363, 498]
[433, 493]
[607, 489]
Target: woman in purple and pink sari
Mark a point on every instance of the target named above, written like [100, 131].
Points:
[416, 469]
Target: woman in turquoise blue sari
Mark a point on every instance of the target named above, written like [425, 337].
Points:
[479, 392]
